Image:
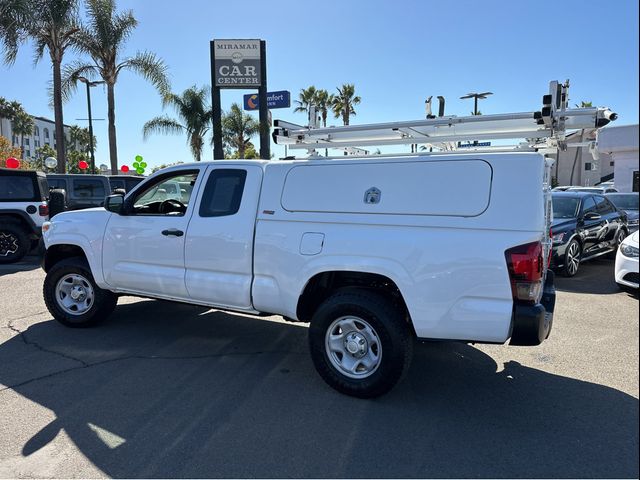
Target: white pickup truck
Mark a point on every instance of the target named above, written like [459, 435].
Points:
[374, 253]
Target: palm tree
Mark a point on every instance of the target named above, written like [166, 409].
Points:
[344, 102]
[79, 139]
[195, 116]
[238, 128]
[8, 110]
[22, 124]
[306, 98]
[323, 101]
[52, 25]
[104, 40]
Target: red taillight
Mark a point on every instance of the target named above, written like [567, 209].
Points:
[43, 210]
[525, 264]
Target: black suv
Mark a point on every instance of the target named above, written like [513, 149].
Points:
[584, 226]
[81, 190]
[23, 209]
[124, 182]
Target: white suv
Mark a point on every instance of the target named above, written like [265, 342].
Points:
[360, 248]
[23, 209]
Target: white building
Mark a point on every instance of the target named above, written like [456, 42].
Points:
[621, 142]
[576, 166]
[44, 133]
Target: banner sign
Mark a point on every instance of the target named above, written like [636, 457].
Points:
[474, 144]
[237, 63]
[281, 99]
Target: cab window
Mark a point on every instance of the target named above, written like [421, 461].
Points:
[168, 195]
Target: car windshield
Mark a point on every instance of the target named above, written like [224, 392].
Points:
[565, 207]
[625, 202]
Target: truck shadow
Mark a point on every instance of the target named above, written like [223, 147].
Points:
[30, 262]
[176, 391]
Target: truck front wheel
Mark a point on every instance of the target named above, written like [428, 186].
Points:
[72, 296]
[361, 344]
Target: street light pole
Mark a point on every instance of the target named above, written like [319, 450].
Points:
[90, 84]
[93, 158]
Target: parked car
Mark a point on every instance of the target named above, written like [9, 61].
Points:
[81, 190]
[23, 209]
[600, 190]
[124, 182]
[360, 249]
[626, 272]
[628, 202]
[584, 226]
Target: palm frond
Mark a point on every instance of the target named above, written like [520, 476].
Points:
[162, 125]
[70, 74]
[150, 67]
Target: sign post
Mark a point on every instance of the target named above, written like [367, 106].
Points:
[239, 64]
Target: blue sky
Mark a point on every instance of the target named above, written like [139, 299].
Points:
[396, 52]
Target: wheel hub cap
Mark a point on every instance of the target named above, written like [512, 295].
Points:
[8, 244]
[353, 347]
[74, 294]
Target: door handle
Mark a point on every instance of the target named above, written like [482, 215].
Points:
[173, 231]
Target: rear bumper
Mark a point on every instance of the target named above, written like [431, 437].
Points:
[531, 323]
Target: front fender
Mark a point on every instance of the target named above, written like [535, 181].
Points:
[83, 229]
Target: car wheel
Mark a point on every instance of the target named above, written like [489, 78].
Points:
[361, 344]
[72, 296]
[14, 243]
[572, 258]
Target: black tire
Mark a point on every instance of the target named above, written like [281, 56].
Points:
[102, 305]
[14, 243]
[572, 255]
[392, 330]
[57, 201]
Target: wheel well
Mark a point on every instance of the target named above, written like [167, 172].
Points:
[322, 285]
[14, 219]
[56, 253]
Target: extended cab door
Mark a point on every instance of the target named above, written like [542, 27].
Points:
[219, 242]
[143, 249]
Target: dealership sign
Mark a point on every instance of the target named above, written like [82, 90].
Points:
[237, 63]
[281, 99]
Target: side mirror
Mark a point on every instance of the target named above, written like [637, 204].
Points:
[114, 203]
[592, 216]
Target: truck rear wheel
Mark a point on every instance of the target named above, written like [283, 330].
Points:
[361, 344]
[72, 296]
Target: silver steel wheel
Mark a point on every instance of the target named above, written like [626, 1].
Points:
[353, 347]
[8, 244]
[573, 258]
[74, 294]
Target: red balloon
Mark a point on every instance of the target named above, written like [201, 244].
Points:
[13, 162]
[124, 168]
[82, 165]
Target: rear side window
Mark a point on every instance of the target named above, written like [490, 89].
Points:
[223, 193]
[89, 188]
[56, 183]
[603, 206]
[16, 189]
[588, 205]
[116, 183]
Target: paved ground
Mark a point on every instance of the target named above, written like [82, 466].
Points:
[167, 390]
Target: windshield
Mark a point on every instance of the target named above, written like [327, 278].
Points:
[565, 207]
[625, 202]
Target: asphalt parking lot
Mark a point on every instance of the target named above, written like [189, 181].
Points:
[164, 390]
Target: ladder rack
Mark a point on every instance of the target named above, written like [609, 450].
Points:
[542, 129]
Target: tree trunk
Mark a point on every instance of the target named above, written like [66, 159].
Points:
[241, 147]
[113, 149]
[22, 146]
[57, 109]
